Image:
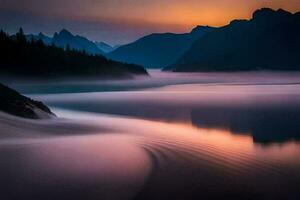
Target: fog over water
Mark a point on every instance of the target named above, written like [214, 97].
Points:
[170, 136]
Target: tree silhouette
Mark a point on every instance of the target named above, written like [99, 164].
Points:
[68, 48]
[20, 36]
[33, 58]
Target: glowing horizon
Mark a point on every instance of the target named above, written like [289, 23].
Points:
[117, 21]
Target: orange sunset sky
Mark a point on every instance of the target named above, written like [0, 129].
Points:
[121, 21]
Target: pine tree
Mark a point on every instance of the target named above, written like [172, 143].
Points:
[68, 48]
[20, 36]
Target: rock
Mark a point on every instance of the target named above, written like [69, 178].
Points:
[16, 104]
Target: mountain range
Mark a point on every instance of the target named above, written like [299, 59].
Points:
[158, 50]
[77, 42]
[64, 38]
[268, 41]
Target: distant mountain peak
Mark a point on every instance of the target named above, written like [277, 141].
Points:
[264, 13]
[77, 42]
[201, 28]
[65, 32]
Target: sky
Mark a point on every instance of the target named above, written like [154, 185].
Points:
[123, 21]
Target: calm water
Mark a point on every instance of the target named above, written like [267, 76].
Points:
[171, 136]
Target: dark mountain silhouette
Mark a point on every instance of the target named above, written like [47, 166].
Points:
[15, 104]
[19, 57]
[64, 38]
[106, 48]
[270, 41]
[158, 50]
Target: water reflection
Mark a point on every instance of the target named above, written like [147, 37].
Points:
[265, 125]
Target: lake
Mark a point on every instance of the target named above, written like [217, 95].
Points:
[168, 136]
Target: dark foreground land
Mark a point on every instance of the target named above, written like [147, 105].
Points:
[16, 104]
